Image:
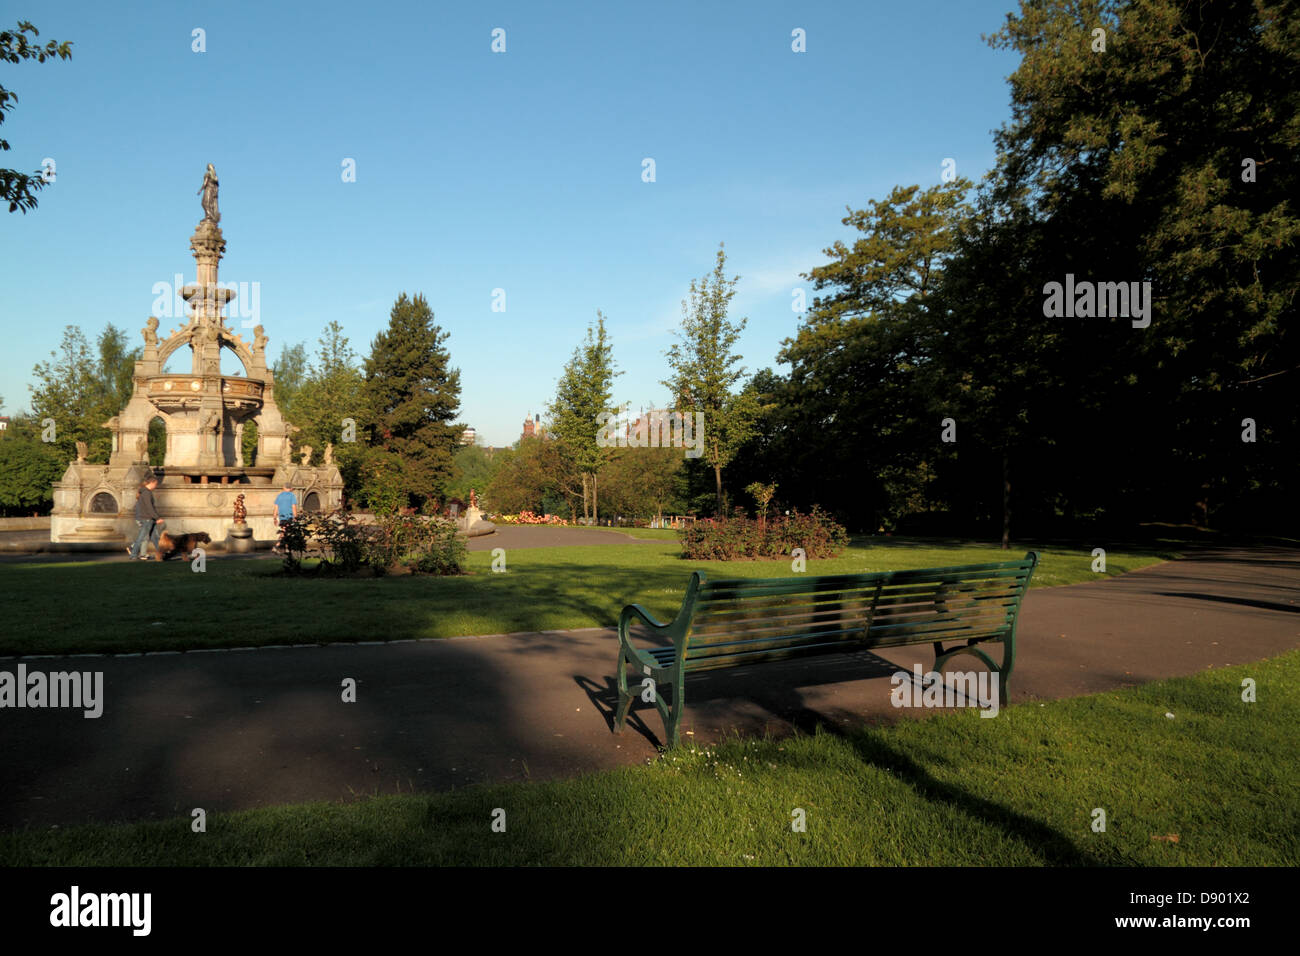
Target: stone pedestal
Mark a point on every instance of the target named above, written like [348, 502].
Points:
[241, 538]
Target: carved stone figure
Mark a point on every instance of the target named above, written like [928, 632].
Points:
[259, 339]
[241, 512]
[81, 451]
[150, 333]
[329, 453]
[209, 193]
[142, 449]
[306, 455]
[473, 499]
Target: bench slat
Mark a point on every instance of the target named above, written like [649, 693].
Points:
[952, 604]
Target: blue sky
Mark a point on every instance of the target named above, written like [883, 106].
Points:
[477, 170]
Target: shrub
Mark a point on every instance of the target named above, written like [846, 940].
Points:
[398, 542]
[728, 539]
[293, 538]
[418, 544]
[343, 542]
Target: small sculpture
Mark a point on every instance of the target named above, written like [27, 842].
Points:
[150, 332]
[306, 455]
[209, 193]
[286, 452]
[259, 339]
[329, 453]
[241, 512]
[473, 499]
[142, 449]
[81, 451]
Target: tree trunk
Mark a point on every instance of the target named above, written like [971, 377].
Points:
[1006, 500]
[586, 500]
[595, 514]
[717, 478]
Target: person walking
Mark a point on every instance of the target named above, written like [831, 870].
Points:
[286, 508]
[149, 524]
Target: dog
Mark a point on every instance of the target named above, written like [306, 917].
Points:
[184, 544]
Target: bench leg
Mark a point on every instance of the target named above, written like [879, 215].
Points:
[672, 716]
[674, 722]
[1003, 671]
[624, 697]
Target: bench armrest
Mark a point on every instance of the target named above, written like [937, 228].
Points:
[634, 611]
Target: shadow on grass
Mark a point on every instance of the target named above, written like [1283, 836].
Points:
[1054, 848]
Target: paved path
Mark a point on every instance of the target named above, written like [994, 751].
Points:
[232, 730]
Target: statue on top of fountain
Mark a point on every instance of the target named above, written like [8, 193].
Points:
[209, 193]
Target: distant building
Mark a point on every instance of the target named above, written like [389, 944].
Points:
[533, 428]
[4, 423]
[467, 436]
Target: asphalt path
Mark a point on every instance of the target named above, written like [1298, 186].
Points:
[230, 730]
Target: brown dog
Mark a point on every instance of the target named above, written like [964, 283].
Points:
[169, 544]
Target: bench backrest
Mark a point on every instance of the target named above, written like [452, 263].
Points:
[753, 619]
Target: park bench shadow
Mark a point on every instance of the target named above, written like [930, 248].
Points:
[775, 688]
[1246, 602]
[1053, 847]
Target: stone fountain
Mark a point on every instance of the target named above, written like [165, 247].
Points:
[205, 413]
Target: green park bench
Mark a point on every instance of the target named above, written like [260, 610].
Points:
[736, 622]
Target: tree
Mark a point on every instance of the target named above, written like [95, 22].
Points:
[474, 468]
[583, 392]
[289, 372]
[525, 476]
[854, 425]
[413, 396]
[28, 467]
[762, 495]
[19, 189]
[704, 371]
[80, 390]
[643, 482]
[332, 389]
[1169, 158]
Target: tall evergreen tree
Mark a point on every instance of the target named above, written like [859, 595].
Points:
[413, 395]
[584, 391]
[705, 371]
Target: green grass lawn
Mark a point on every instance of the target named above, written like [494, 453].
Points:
[1215, 785]
[83, 607]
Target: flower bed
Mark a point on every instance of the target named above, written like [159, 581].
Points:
[528, 517]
